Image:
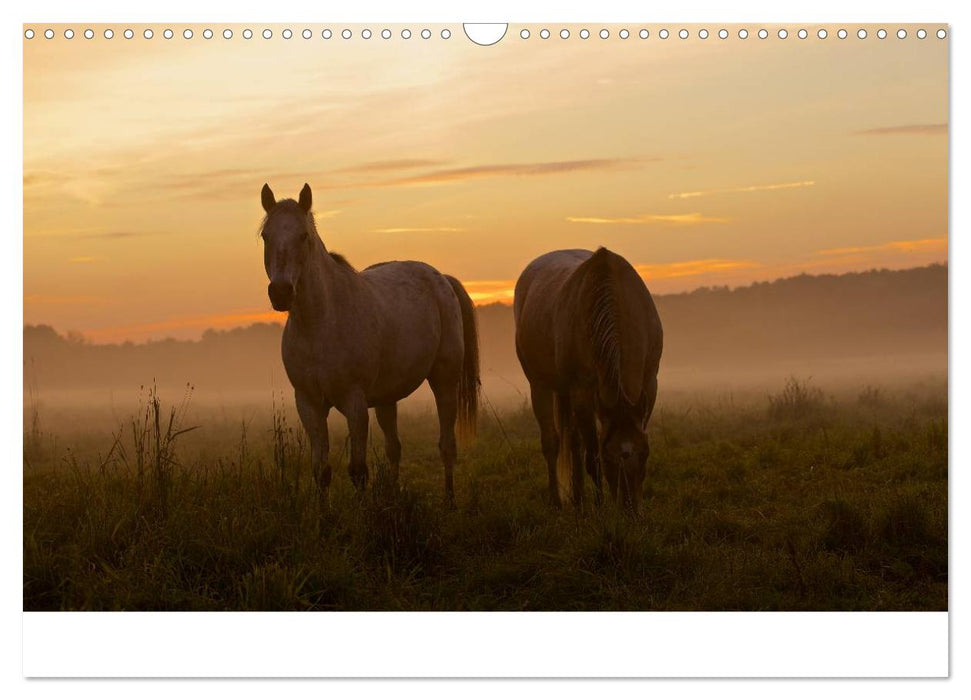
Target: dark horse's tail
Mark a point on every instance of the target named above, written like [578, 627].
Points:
[469, 381]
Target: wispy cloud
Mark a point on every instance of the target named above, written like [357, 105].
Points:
[111, 235]
[377, 166]
[690, 268]
[65, 300]
[749, 188]
[920, 245]
[677, 219]
[245, 183]
[88, 234]
[448, 175]
[431, 229]
[924, 129]
[41, 178]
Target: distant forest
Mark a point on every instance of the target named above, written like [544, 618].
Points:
[878, 314]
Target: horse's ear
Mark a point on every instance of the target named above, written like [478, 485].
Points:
[306, 198]
[269, 201]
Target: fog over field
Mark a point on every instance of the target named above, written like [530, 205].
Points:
[798, 462]
[879, 327]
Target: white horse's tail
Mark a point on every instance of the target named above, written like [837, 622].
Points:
[469, 382]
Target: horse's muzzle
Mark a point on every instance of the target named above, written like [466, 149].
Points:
[281, 295]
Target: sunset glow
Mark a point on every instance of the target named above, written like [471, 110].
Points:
[703, 163]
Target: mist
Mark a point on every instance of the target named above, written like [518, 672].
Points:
[842, 333]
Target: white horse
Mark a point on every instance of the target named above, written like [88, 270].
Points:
[355, 340]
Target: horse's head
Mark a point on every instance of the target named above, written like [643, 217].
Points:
[624, 451]
[288, 235]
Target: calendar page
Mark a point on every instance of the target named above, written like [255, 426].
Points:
[617, 321]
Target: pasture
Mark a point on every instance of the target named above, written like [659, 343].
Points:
[789, 499]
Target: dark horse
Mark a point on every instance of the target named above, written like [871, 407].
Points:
[589, 339]
[354, 340]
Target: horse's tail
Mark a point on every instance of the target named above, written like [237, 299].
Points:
[565, 429]
[469, 382]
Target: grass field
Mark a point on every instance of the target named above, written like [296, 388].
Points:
[787, 500]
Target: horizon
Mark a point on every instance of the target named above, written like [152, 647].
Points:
[279, 318]
[141, 196]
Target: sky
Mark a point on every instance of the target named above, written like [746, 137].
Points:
[703, 162]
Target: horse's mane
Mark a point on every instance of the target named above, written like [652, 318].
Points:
[603, 321]
[614, 325]
[341, 260]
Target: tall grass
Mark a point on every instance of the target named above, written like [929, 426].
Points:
[153, 433]
[797, 399]
[744, 509]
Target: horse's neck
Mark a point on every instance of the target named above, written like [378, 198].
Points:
[325, 292]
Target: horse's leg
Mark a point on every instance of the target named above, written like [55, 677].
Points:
[576, 462]
[356, 413]
[542, 401]
[446, 401]
[388, 420]
[574, 401]
[587, 426]
[313, 416]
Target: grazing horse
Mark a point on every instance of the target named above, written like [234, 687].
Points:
[355, 340]
[589, 339]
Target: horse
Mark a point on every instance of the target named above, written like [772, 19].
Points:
[356, 340]
[589, 340]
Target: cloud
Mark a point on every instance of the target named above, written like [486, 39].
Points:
[436, 229]
[245, 183]
[109, 235]
[925, 129]
[677, 219]
[920, 245]
[237, 182]
[386, 165]
[750, 188]
[88, 234]
[690, 268]
[54, 300]
[444, 176]
[41, 178]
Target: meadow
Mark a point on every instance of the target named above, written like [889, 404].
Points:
[794, 498]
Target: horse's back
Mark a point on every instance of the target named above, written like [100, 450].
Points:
[537, 290]
[546, 274]
[554, 300]
[420, 320]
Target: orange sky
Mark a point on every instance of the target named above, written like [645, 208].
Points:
[703, 162]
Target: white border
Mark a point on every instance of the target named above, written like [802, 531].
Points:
[801, 643]
[517, 645]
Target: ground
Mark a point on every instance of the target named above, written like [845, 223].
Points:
[788, 500]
